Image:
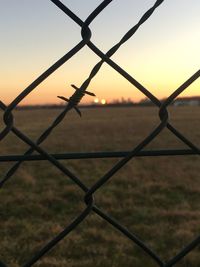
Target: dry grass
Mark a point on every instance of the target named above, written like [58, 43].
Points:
[156, 198]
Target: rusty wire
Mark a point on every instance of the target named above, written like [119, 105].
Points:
[72, 103]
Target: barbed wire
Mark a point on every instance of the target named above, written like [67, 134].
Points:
[72, 103]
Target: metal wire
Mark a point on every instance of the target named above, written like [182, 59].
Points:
[72, 103]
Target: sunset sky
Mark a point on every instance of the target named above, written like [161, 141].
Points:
[161, 55]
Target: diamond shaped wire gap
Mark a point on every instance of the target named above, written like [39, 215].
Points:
[106, 58]
[123, 73]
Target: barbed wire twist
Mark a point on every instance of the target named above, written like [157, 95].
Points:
[72, 103]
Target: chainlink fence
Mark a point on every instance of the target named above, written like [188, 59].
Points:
[72, 103]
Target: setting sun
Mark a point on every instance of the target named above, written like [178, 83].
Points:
[103, 101]
[96, 100]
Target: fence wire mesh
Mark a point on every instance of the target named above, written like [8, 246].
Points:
[126, 156]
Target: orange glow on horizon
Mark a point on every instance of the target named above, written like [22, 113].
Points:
[108, 84]
[161, 56]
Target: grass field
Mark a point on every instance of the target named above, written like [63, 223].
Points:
[156, 198]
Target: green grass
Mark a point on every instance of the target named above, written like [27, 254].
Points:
[158, 198]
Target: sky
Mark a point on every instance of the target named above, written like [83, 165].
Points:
[161, 55]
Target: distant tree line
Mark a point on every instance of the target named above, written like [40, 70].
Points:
[181, 101]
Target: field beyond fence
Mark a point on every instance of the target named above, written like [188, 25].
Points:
[160, 205]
